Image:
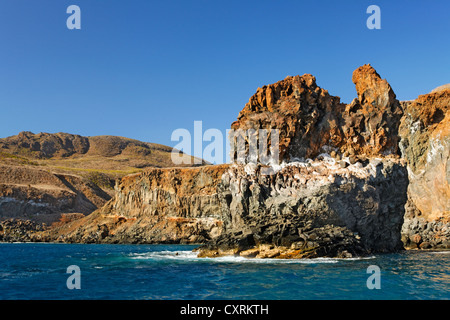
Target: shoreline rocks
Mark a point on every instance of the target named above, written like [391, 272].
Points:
[326, 241]
[17, 230]
[311, 121]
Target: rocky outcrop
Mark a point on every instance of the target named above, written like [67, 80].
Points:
[306, 116]
[307, 209]
[17, 230]
[312, 209]
[157, 206]
[311, 121]
[425, 144]
[373, 118]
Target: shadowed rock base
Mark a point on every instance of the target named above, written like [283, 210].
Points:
[327, 241]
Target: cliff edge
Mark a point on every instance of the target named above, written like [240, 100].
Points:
[425, 144]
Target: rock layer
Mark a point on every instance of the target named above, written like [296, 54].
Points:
[41, 196]
[157, 206]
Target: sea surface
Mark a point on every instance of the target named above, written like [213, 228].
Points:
[109, 272]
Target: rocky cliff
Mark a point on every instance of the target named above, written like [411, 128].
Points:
[316, 208]
[339, 190]
[311, 209]
[425, 144]
[311, 121]
[156, 206]
[345, 175]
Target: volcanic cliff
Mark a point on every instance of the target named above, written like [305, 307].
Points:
[339, 189]
[345, 175]
[425, 144]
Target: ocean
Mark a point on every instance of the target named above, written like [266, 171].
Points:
[49, 271]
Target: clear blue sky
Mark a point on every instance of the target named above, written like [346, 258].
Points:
[142, 68]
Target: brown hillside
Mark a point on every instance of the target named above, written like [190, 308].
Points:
[45, 175]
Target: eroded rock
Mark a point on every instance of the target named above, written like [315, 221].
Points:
[425, 144]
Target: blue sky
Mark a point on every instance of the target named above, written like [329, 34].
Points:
[142, 68]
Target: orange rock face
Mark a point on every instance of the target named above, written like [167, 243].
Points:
[378, 113]
[304, 114]
[311, 121]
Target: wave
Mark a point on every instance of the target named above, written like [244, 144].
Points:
[165, 255]
[192, 256]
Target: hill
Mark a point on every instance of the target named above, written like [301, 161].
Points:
[45, 175]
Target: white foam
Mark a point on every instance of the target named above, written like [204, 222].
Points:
[165, 255]
[193, 256]
[440, 252]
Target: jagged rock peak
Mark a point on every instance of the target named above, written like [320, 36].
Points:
[311, 121]
[371, 89]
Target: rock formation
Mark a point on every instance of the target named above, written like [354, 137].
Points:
[313, 205]
[17, 230]
[345, 175]
[306, 116]
[425, 144]
[179, 205]
[306, 209]
[311, 121]
[312, 209]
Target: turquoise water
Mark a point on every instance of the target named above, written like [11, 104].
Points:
[38, 271]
